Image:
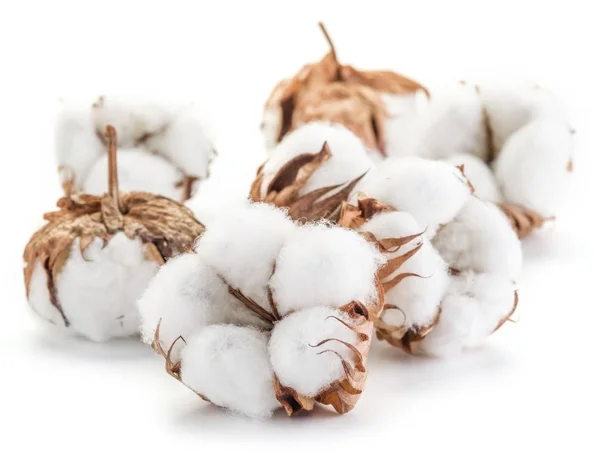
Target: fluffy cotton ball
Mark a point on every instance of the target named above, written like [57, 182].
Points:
[417, 298]
[405, 123]
[139, 170]
[431, 191]
[480, 239]
[185, 296]
[349, 159]
[533, 166]
[480, 175]
[242, 245]
[229, 366]
[297, 361]
[321, 265]
[97, 291]
[473, 308]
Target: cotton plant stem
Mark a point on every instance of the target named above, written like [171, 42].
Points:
[113, 175]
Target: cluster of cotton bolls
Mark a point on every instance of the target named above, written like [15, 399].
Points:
[266, 313]
[164, 146]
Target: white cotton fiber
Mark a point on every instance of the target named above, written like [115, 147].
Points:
[297, 361]
[242, 245]
[480, 175]
[322, 265]
[98, 291]
[431, 191]
[229, 366]
[481, 239]
[417, 298]
[532, 167]
[139, 170]
[349, 158]
[405, 123]
[471, 311]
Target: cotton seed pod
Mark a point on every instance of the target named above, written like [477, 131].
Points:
[328, 90]
[164, 148]
[305, 342]
[312, 171]
[87, 266]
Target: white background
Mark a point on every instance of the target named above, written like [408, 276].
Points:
[530, 392]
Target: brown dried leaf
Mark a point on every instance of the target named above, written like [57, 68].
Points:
[382, 81]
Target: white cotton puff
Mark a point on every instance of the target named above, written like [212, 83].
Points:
[185, 142]
[480, 175]
[480, 239]
[270, 127]
[77, 145]
[455, 123]
[417, 299]
[510, 107]
[405, 123]
[242, 243]
[229, 366]
[323, 265]
[349, 158]
[472, 309]
[532, 167]
[139, 170]
[431, 191]
[98, 291]
[297, 361]
[185, 296]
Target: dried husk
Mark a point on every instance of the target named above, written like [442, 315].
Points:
[523, 220]
[165, 227]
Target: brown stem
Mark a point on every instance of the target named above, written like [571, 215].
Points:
[113, 176]
[328, 38]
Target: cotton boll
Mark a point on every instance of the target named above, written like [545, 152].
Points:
[297, 361]
[417, 298]
[480, 176]
[456, 124]
[321, 265]
[139, 170]
[476, 304]
[77, 145]
[242, 245]
[229, 366]
[480, 239]
[407, 118]
[533, 166]
[431, 191]
[185, 143]
[98, 290]
[349, 158]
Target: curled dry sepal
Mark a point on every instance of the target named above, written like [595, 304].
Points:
[87, 266]
[164, 147]
[330, 91]
[267, 313]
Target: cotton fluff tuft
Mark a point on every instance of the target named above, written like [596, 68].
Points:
[229, 366]
[406, 121]
[473, 308]
[481, 239]
[297, 361]
[242, 245]
[533, 166]
[323, 265]
[431, 191]
[417, 298]
[349, 158]
[480, 175]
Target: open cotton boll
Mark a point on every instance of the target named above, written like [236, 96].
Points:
[431, 191]
[474, 307]
[480, 239]
[229, 366]
[242, 245]
[533, 166]
[322, 265]
[480, 175]
[297, 362]
[349, 158]
[406, 120]
[139, 170]
[455, 124]
[417, 298]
